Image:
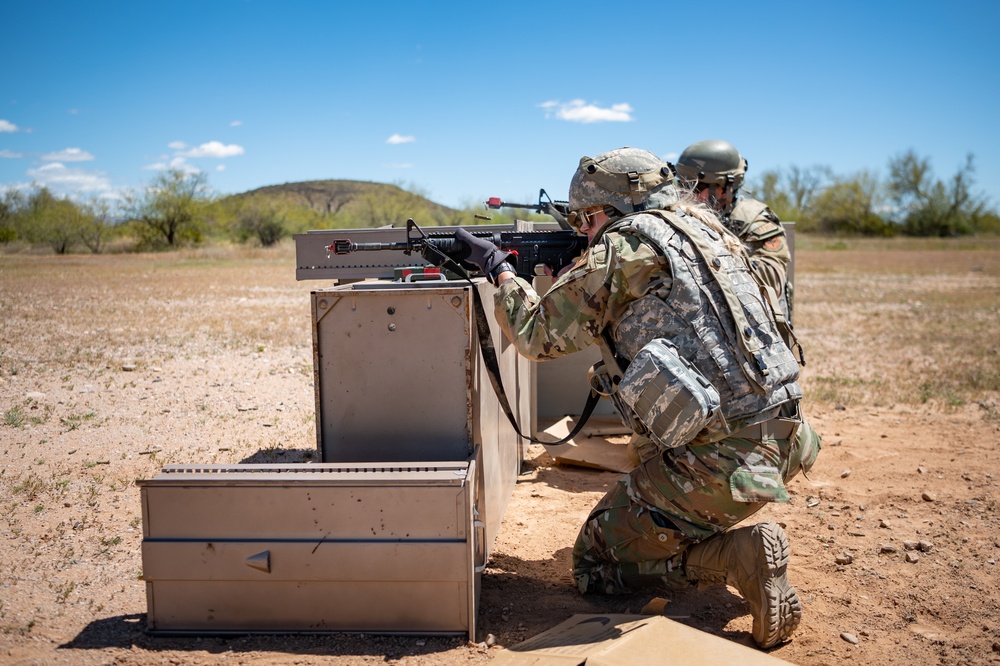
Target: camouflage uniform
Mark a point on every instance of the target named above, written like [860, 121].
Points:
[764, 239]
[641, 279]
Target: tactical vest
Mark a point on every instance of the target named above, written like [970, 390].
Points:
[713, 312]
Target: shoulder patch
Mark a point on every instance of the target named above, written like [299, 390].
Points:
[775, 243]
[764, 229]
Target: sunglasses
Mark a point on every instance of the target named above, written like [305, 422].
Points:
[579, 218]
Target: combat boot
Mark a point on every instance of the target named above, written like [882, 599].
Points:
[754, 560]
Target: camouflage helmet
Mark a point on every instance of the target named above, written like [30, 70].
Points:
[624, 179]
[712, 162]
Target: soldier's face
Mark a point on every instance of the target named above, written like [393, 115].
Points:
[591, 221]
[715, 196]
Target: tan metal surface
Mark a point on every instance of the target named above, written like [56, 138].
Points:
[314, 262]
[324, 547]
[312, 560]
[332, 606]
[789, 228]
[392, 371]
[222, 506]
[399, 376]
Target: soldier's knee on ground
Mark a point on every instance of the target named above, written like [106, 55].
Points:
[805, 448]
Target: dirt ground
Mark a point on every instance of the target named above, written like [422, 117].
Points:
[111, 367]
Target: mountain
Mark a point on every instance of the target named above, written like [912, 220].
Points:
[347, 197]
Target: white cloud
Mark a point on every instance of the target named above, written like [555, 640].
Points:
[215, 149]
[579, 111]
[236, 123]
[399, 138]
[62, 180]
[178, 163]
[7, 126]
[182, 152]
[221, 167]
[69, 155]
[9, 154]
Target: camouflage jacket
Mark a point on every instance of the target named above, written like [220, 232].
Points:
[643, 278]
[764, 238]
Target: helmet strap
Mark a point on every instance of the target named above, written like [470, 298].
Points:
[637, 191]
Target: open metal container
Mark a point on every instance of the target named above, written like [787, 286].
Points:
[391, 531]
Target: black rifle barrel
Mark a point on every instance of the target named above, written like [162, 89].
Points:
[345, 246]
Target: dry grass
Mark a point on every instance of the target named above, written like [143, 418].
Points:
[92, 311]
[900, 321]
[883, 321]
[113, 366]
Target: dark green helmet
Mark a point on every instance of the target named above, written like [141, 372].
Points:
[712, 162]
[625, 179]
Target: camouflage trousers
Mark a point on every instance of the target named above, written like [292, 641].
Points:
[637, 534]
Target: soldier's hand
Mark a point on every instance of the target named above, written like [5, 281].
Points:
[481, 252]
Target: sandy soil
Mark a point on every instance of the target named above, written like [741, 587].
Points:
[894, 534]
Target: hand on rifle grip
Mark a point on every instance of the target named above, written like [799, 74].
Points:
[481, 252]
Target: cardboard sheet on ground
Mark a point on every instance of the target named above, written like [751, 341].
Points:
[628, 640]
[589, 448]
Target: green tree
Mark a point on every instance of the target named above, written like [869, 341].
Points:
[790, 193]
[930, 207]
[168, 208]
[989, 223]
[63, 223]
[95, 225]
[49, 220]
[260, 221]
[770, 189]
[11, 207]
[850, 205]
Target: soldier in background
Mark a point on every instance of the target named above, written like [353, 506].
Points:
[715, 170]
[694, 364]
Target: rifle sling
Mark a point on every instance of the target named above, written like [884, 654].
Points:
[490, 355]
[493, 370]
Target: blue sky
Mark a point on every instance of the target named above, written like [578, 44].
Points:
[470, 100]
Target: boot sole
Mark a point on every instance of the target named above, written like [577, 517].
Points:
[783, 610]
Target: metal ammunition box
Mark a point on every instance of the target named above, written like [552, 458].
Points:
[390, 532]
[312, 548]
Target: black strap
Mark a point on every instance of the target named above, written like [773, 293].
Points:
[490, 355]
[493, 370]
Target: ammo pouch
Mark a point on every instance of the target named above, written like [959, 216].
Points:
[667, 395]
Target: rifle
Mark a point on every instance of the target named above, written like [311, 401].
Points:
[555, 249]
[559, 210]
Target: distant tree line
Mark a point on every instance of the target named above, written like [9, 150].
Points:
[910, 201]
[177, 209]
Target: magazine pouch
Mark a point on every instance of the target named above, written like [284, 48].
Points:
[667, 394]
